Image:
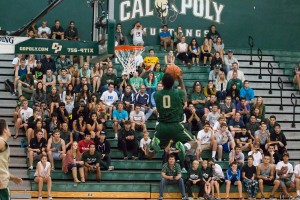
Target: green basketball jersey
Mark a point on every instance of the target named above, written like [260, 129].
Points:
[169, 104]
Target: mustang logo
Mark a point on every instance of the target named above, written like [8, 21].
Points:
[164, 8]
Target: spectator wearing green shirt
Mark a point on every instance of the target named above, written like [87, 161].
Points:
[235, 80]
[150, 83]
[25, 84]
[107, 78]
[91, 160]
[171, 174]
[136, 82]
[157, 72]
[198, 99]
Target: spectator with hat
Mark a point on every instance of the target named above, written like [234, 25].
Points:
[103, 146]
[228, 60]
[127, 141]
[213, 74]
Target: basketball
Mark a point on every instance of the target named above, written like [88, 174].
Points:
[174, 71]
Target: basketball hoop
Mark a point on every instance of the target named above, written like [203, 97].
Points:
[126, 56]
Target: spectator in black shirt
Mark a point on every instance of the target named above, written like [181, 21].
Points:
[31, 124]
[49, 63]
[278, 139]
[36, 147]
[71, 32]
[81, 109]
[57, 31]
[252, 126]
[62, 113]
[128, 99]
[249, 178]
[212, 35]
[103, 146]
[274, 156]
[38, 72]
[193, 118]
[127, 141]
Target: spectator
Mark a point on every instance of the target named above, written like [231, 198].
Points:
[49, 81]
[194, 51]
[64, 80]
[127, 141]
[96, 75]
[213, 116]
[261, 136]
[218, 123]
[137, 118]
[266, 176]
[249, 178]
[31, 61]
[136, 82]
[256, 154]
[284, 173]
[158, 73]
[219, 47]
[252, 126]
[150, 61]
[20, 70]
[247, 92]
[73, 163]
[125, 81]
[81, 109]
[108, 78]
[233, 92]
[69, 105]
[221, 85]
[206, 52]
[36, 148]
[63, 62]
[42, 175]
[206, 178]
[297, 77]
[144, 145]
[236, 156]
[274, 156]
[235, 80]
[119, 117]
[272, 123]
[108, 98]
[235, 124]
[56, 148]
[52, 124]
[198, 99]
[178, 34]
[209, 104]
[143, 99]
[228, 60]
[120, 37]
[26, 84]
[32, 31]
[94, 126]
[84, 72]
[57, 31]
[216, 61]
[32, 125]
[84, 94]
[210, 89]
[233, 177]
[228, 109]
[38, 72]
[193, 118]
[169, 58]
[171, 174]
[182, 52]
[225, 141]
[84, 145]
[103, 146]
[240, 74]
[207, 140]
[165, 38]
[127, 98]
[137, 32]
[49, 63]
[243, 107]
[66, 135]
[194, 178]
[244, 140]
[23, 115]
[214, 74]
[278, 139]
[53, 100]
[71, 33]
[212, 35]
[44, 28]
[78, 126]
[259, 104]
[91, 160]
[218, 178]
[150, 83]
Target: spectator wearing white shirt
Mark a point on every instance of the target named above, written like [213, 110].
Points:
[207, 140]
[144, 144]
[229, 59]
[137, 33]
[44, 28]
[109, 97]
[256, 154]
[218, 177]
[24, 113]
[240, 74]
[297, 180]
[16, 61]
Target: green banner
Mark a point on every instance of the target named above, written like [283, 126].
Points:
[55, 47]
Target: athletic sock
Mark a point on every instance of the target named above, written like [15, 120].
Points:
[214, 154]
[298, 192]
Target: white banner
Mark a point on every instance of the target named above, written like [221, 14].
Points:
[7, 43]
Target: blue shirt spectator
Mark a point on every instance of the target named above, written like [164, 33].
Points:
[120, 115]
[142, 98]
[231, 176]
[247, 92]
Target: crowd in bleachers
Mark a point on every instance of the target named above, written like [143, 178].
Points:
[65, 105]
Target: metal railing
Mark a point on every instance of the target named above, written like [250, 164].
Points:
[270, 70]
[294, 103]
[251, 44]
[280, 85]
[259, 55]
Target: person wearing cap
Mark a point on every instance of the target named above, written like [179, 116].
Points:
[235, 68]
[127, 141]
[296, 79]
[103, 147]
[125, 81]
[284, 173]
[119, 117]
[213, 74]
[38, 72]
[228, 60]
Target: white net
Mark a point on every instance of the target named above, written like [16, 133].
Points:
[127, 57]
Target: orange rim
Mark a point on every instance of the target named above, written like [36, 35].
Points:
[128, 48]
